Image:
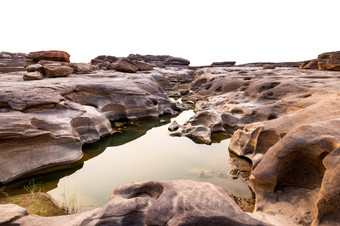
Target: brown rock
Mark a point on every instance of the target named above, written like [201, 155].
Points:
[82, 68]
[52, 70]
[34, 67]
[53, 55]
[332, 64]
[223, 64]
[309, 64]
[269, 66]
[36, 75]
[176, 61]
[124, 65]
[142, 66]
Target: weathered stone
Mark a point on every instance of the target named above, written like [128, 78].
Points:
[176, 61]
[82, 68]
[34, 67]
[269, 66]
[11, 212]
[12, 62]
[142, 66]
[36, 75]
[52, 70]
[124, 65]
[309, 64]
[157, 203]
[49, 121]
[52, 55]
[174, 126]
[223, 64]
[332, 64]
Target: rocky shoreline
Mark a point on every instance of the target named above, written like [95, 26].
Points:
[282, 118]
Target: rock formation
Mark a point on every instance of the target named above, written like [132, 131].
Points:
[48, 64]
[143, 62]
[11, 62]
[47, 121]
[149, 203]
[284, 121]
[327, 61]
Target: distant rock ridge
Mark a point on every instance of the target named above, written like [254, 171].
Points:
[137, 62]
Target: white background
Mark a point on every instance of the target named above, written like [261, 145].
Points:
[201, 31]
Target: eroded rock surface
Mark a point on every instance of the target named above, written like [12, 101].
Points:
[45, 122]
[154, 203]
[286, 123]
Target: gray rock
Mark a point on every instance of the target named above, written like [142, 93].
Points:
[34, 67]
[48, 121]
[36, 75]
[170, 203]
[223, 64]
[82, 68]
[174, 126]
[142, 66]
[10, 212]
[124, 65]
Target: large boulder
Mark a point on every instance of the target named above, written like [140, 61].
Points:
[143, 66]
[170, 203]
[309, 64]
[53, 55]
[36, 75]
[124, 65]
[82, 68]
[176, 61]
[53, 70]
[329, 61]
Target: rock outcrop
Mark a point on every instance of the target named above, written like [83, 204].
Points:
[47, 121]
[329, 61]
[11, 62]
[223, 64]
[144, 62]
[286, 123]
[150, 203]
[49, 63]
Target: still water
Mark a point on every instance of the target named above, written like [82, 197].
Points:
[145, 151]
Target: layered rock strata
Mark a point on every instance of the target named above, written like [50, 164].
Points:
[329, 61]
[45, 122]
[51, 63]
[11, 62]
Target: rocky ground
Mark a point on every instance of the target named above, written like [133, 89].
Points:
[283, 120]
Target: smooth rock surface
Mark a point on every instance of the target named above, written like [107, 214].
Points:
[157, 203]
[44, 123]
[124, 65]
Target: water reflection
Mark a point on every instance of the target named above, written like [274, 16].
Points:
[142, 151]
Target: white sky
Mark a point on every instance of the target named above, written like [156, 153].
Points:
[201, 31]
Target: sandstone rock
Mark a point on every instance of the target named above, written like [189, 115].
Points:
[309, 64]
[176, 61]
[12, 62]
[157, 203]
[332, 64]
[52, 55]
[36, 75]
[223, 64]
[49, 121]
[268, 66]
[82, 68]
[142, 66]
[173, 126]
[102, 64]
[124, 65]
[34, 67]
[49, 62]
[52, 70]
[11, 212]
